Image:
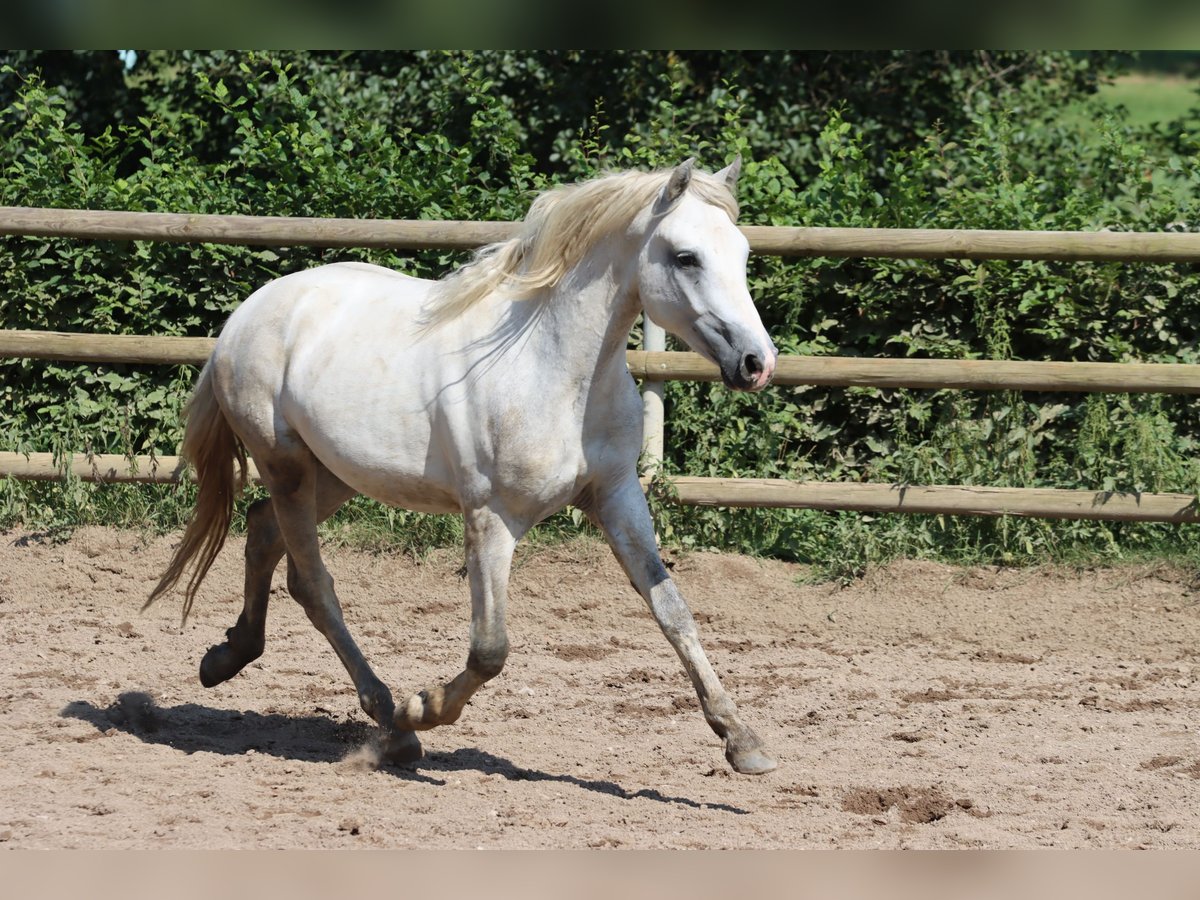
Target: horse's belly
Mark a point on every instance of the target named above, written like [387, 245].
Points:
[392, 484]
[388, 461]
[416, 494]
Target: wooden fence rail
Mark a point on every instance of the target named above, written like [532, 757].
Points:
[404, 234]
[759, 492]
[831, 371]
[271, 231]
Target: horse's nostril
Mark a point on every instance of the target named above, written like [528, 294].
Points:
[752, 364]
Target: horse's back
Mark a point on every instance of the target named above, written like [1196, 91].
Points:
[315, 306]
[368, 269]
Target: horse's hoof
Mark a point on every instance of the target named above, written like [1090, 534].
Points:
[220, 663]
[756, 761]
[402, 747]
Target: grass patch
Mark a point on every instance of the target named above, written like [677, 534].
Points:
[1152, 99]
[1140, 101]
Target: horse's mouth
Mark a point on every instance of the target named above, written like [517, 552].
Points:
[751, 384]
[748, 372]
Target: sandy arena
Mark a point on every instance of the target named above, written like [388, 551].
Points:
[926, 706]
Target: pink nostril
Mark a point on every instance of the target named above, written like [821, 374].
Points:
[769, 370]
[755, 371]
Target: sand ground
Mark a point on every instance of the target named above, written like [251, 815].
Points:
[924, 706]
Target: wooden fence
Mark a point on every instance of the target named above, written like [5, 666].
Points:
[656, 366]
[401, 234]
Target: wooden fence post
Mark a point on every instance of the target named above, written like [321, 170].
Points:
[654, 340]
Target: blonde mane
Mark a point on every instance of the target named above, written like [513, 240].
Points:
[562, 225]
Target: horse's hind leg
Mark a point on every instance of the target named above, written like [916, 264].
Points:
[244, 642]
[291, 473]
[490, 541]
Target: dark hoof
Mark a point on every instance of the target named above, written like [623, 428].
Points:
[377, 703]
[221, 663]
[402, 747]
[752, 762]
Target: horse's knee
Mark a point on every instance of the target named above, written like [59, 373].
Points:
[487, 660]
[307, 587]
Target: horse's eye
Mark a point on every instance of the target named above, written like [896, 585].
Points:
[687, 260]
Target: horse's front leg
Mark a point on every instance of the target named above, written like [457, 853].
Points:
[490, 543]
[622, 513]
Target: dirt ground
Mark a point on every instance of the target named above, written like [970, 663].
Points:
[925, 706]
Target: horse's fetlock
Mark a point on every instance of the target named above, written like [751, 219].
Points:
[487, 662]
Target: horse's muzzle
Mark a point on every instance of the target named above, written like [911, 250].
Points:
[753, 372]
[745, 358]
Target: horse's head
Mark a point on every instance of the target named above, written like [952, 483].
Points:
[692, 278]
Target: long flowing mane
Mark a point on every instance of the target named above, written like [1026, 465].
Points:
[561, 227]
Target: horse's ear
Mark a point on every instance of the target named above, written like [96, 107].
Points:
[730, 174]
[678, 181]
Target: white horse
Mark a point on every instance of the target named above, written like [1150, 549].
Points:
[500, 392]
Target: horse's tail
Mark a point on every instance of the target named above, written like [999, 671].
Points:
[210, 445]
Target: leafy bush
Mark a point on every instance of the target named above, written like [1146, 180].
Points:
[993, 176]
[863, 139]
[284, 160]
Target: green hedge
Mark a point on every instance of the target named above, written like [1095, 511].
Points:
[882, 140]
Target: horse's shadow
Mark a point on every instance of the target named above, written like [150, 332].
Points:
[192, 728]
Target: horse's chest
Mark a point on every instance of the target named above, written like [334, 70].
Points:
[540, 461]
[548, 452]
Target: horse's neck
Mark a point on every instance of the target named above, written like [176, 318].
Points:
[584, 322]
